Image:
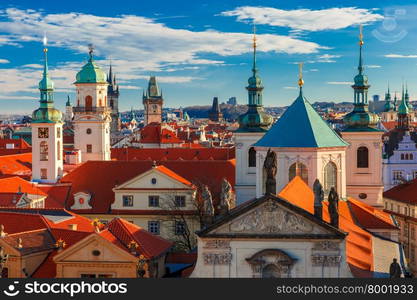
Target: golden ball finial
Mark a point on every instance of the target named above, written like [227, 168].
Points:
[300, 74]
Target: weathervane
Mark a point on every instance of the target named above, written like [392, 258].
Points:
[300, 74]
[90, 50]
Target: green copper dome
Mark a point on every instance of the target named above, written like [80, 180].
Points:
[360, 117]
[403, 107]
[91, 73]
[254, 120]
[46, 115]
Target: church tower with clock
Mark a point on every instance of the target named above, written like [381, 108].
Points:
[152, 102]
[92, 115]
[47, 161]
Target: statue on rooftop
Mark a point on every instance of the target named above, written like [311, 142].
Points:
[333, 207]
[270, 166]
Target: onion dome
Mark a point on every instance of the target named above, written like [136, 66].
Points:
[255, 119]
[46, 113]
[91, 72]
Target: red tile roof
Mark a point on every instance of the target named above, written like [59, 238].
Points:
[406, 192]
[149, 245]
[20, 144]
[358, 241]
[155, 133]
[16, 165]
[159, 154]
[15, 184]
[100, 177]
[57, 195]
[32, 241]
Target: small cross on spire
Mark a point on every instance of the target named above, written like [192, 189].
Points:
[300, 74]
[90, 50]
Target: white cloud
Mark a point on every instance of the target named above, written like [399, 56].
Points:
[326, 58]
[136, 45]
[290, 88]
[314, 70]
[340, 82]
[129, 87]
[4, 61]
[305, 19]
[400, 56]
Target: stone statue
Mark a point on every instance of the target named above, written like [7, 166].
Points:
[395, 269]
[208, 201]
[226, 197]
[333, 207]
[270, 166]
[318, 198]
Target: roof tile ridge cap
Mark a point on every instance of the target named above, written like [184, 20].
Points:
[28, 231]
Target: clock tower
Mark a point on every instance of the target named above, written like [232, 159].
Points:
[152, 102]
[47, 161]
[92, 115]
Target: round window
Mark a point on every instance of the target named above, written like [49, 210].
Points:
[88, 130]
[363, 196]
[96, 252]
[153, 180]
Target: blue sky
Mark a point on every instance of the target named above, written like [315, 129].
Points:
[201, 49]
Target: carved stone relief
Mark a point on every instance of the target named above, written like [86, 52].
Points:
[271, 218]
[326, 246]
[217, 244]
[217, 258]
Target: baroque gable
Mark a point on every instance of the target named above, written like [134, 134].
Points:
[271, 218]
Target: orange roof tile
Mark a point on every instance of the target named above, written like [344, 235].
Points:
[16, 164]
[358, 241]
[15, 183]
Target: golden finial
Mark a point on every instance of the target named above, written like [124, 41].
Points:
[60, 243]
[45, 42]
[254, 35]
[300, 75]
[360, 35]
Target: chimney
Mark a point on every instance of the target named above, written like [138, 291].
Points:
[73, 227]
[318, 198]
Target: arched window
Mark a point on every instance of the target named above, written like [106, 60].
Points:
[100, 103]
[330, 177]
[302, 171]
[362, 157]
[411, 156]
[88, 103]
[252, 157]
[402, 156]
[43, 151]
[58, 149]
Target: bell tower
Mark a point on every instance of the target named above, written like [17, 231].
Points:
[252, 126]
[47, 162]
[152, 102]
[364, 173]
[92, 116]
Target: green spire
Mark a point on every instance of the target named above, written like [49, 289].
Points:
[403, 108]
[388, 106]
[68, 103]
[360, 119]
[46, 113]
[255, 119]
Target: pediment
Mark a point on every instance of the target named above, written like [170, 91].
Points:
[272, 218]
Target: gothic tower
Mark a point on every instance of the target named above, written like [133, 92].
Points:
[68, 111]
[252, 126]
[113, 101]
[215, 113]
[92, 116]
[364, 173]
[47, 162]
[152, 102]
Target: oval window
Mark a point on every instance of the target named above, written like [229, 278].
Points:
[88, 130]
[153, 180]
[363, 196]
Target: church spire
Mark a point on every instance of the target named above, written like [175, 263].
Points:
[254, 69]
[360, 117]
[300, 77]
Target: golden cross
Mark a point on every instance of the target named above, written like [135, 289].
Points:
[300, 74]
[360, 35]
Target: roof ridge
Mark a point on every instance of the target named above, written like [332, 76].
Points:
[27, 231]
